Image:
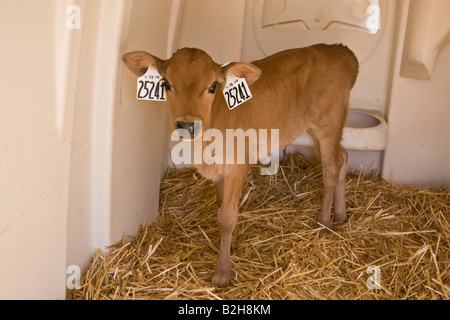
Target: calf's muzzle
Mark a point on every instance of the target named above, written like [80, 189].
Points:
[193, 127]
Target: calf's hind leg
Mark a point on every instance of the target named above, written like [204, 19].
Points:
[340, 213]
[334, 169]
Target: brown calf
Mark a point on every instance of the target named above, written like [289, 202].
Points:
[293, 91]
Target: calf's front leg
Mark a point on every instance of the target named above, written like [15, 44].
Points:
[230, 189]
[220, 188]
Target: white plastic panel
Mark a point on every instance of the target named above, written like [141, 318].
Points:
[214, 26]
[359, 15]
[36, 113]
[284, 29]
[119, 143]
[427, 33]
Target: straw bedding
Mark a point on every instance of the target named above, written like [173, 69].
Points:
[278, 251]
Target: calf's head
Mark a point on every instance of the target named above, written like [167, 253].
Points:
[191, 79]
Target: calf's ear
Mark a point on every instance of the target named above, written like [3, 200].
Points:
[140, 61]
[250, 72]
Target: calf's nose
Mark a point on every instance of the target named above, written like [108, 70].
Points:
[190, 126]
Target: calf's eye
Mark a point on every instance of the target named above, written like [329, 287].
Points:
[212, 89]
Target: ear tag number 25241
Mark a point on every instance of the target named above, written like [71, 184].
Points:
[236, 91]
[150, 86]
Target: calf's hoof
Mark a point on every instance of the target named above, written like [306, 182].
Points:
[221, 276]
[324, 221]
[340, 217]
